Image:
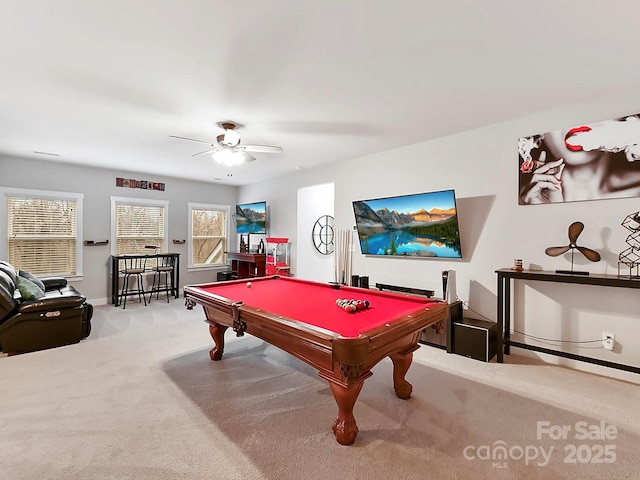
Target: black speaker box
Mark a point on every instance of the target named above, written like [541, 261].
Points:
[224, 276]
[475, 338]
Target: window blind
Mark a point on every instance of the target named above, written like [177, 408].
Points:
[42, 235]
[209, 237]
[138, 226]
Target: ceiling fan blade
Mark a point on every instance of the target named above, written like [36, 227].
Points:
[248, 158]
[556, 251]
[575, 229]
[260, 148]
[590, 254]
[191, 140]
[211, 150]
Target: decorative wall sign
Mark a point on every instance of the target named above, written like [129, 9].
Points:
[143, 184]
[586, 162]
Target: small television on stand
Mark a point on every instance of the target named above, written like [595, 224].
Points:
[422, 225]
[250, 219]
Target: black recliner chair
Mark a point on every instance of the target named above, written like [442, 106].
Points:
[55, 315]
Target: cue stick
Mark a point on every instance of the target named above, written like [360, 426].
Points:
[335, 265]
[349, 252]
[345, 265]
[338, 253]
[340, 274]
[345, 273]
[347, 241]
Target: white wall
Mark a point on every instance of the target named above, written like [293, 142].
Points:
[313, 202]
[482, 166]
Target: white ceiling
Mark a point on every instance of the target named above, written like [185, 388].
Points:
[105, 83]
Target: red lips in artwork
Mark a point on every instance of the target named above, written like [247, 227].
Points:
[571, 133]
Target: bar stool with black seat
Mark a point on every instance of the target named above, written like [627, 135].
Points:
[164, 268]
[134, 266]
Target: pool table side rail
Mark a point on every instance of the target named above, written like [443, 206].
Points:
[310, 344]
[403, 338]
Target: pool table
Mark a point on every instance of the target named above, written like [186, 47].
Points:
[302, 318]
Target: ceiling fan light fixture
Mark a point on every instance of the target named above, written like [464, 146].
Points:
[227, 149]
[228, 157]
[231, 138]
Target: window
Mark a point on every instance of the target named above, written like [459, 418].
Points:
[138, 224]
[209, 235]
[44, 231]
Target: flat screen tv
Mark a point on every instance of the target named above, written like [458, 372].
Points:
[421, 225]
[251, 218]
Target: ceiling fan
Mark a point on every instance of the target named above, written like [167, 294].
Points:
[227, 149]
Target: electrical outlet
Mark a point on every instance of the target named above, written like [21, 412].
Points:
[608, 340]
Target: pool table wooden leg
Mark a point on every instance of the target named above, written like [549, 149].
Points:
[401, 363]
[344, 426]
[217, 333]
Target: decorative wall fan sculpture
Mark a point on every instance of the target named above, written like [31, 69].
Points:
[228, 149]
[575, 229]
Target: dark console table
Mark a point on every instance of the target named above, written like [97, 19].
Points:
[505, 277]
[247, 265]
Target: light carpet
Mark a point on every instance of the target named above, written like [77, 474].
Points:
[140, 399]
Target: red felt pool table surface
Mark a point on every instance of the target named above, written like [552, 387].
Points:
[315, 303]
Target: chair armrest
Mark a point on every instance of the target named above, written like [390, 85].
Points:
[53, 282]
[57, 302]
